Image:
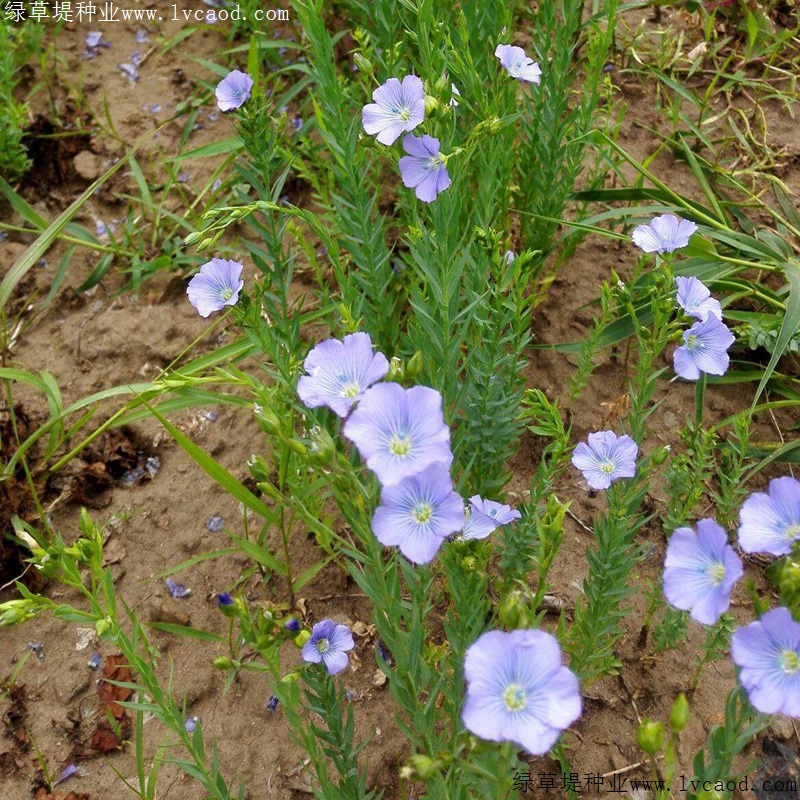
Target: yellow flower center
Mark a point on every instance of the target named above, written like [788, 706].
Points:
[422, 513]
[792, 532]
[515, 697]
[399, 444]
[789, 661]
[323, 645]
[716, 572]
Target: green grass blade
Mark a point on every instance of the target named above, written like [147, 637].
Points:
[790, 326]
[214, 469]
[37, 250]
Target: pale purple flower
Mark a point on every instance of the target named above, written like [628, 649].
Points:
[141, 36]
[704, 349]
[130, 70]
[177, 590]
[398, 108]
[38, 648]
[95, 659]
[339, 372]
[509, 257]
[423, 169]
[216, 285]
[768, 653]
[606, 458]
[329, 644]
[694, 297]
[663, 234]
[770, 523]
[67, 773]
[215, 523]
[700, 570]
[399, 432]
[518, 690]
[517, 64]
[272, 703]
[419, 513]
[93, 39]
[190, 724]
[486, 516]
[233, 91]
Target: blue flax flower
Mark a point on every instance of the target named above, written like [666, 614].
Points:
[233, 91]
[704, 349]
[398, 108]
[663, 234]
[606, 458]
[486, 516]
[770, 523]
[694, 297]
[517, 64]
[518, 690]
[423, 169]
[768, 653]
[177, 589]
[329, 644]
[419, 513]
[215, 286]
[399, 432]
[339, 372]
[700, 571]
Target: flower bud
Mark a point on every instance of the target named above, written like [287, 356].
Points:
[267, 419]
[432, 105]
[192, 239]
[206, 243]
[302, 638]
[650, 736]
[322, 448]
[259, 468]
[415, 365]
[222, 662]
[679, 714]
[363, 64]
[660, 455]
[513, 611]
[469, 563]
[420, 767]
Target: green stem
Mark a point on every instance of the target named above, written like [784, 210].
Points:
[699, 397]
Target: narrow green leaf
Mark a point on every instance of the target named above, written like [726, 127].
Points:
[214, 469]
[259, 554]
[42, 244]
[184, 630]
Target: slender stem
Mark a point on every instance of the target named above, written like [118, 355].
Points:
[699, 397]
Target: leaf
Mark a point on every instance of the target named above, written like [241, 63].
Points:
[42, 244]
[259, 554]
[791, 324]
[185, 630]
[215, 469]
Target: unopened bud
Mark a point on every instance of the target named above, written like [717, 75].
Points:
[513, 611]
[679, 714]
[650, 736]
[415, 365]
[222, 662]
[363, 64]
